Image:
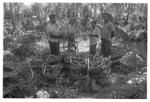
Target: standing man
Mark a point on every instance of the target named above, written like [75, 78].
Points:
[71, 34]
[54, 35]
[95, 32]
[108, 32]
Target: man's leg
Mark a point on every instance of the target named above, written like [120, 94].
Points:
[107, 51]
[57, 48]
[71, 42]
[93, 50]
[50, 45]
[102, 47]
[69, 45]
[106, 48]
[54, 48]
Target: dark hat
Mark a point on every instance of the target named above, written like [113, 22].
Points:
[72, 21]
[52, 16]
[94, 22]
[107, 14]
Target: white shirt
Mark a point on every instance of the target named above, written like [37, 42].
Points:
[93, 39]
[52, 28]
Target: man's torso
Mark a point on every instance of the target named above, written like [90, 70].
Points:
[107, 30]
[50, 28]
[94, 39]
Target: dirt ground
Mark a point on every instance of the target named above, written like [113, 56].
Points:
[120, 86]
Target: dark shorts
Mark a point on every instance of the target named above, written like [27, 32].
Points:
[71, 41]
[106, 47]
[54, 48]
[93, 49]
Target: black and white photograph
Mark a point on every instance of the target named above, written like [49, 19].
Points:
[74, 50]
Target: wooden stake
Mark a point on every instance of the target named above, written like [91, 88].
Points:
[88, 62]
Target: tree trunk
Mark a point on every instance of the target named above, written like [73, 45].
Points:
[95, 10]
[12, 9]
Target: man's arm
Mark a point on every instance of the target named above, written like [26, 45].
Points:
[112, 30]
[112, 34]
[93, 35]
[96, 33]
[56, 34]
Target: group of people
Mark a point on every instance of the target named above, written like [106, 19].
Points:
[106, 34]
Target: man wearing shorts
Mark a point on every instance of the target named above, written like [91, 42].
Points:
[107, 33]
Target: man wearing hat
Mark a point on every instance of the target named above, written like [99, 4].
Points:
[108, 32]
[54, 35]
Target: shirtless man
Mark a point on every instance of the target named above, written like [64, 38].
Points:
[95, 32]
